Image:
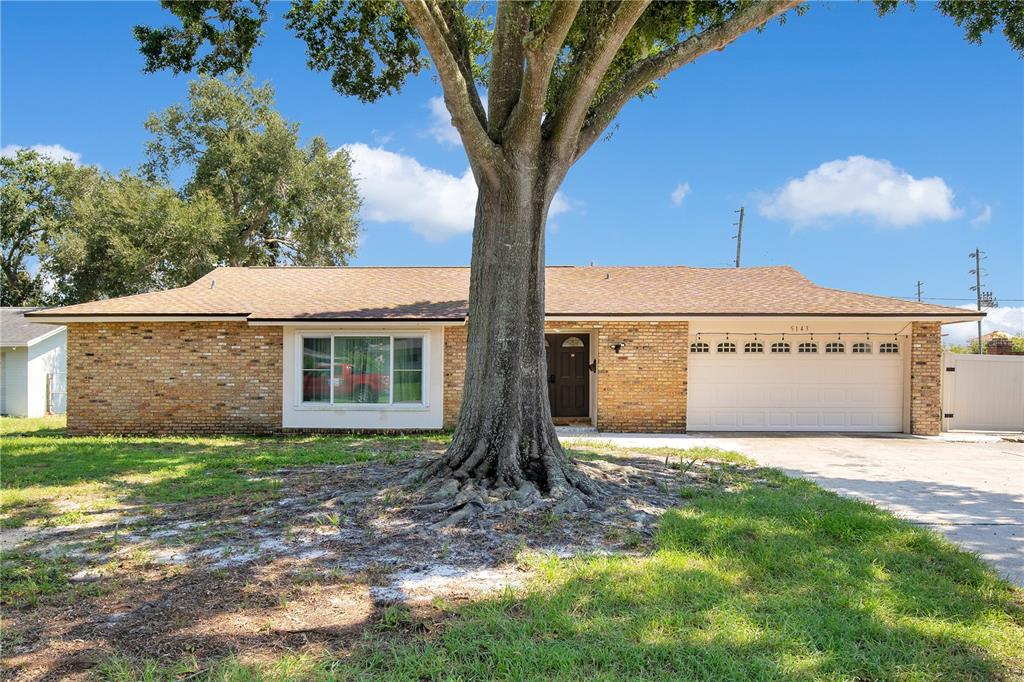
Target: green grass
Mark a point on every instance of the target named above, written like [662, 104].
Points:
[780, 581]
[761, 577]
[42, 466]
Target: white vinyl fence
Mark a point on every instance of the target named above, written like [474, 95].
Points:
[983, 392]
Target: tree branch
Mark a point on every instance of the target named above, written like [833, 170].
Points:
[542, 46]
[586, 78]
[507, 54]
[451, 23]
[479, 147]
[641, 74]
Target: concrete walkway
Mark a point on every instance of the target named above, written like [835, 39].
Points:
[969, 488]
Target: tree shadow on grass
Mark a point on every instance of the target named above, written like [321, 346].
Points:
[789, 582]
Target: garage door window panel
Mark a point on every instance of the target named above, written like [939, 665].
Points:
[753, 347]
[807, 347]
[780, 347]
[727, 347]
[700, 347]
[861, 348]
[835, 347]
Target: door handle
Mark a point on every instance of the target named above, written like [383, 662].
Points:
[551, 378]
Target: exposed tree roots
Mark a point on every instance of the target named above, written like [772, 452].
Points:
[506, 474]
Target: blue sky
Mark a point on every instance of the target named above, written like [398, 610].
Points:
[869, 153]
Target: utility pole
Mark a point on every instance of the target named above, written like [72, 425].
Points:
[919, 284]
[985, 298]
[739, 236]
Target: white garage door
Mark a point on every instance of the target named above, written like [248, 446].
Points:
[810, 391]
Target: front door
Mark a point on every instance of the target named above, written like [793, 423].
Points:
[568, 374]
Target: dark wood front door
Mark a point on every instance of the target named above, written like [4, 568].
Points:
[569, 374]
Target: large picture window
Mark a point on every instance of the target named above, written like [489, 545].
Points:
[379, 370]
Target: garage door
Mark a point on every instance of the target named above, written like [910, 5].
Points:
[744, 386]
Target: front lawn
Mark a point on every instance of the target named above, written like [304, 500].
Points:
[54, 479]
[752, 575]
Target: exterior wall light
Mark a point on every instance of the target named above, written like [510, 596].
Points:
[617, 346]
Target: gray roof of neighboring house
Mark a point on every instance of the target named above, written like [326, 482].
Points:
[16, 330]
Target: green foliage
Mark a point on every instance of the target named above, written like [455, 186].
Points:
[280, 202]
[35, 197]
[128, 236]
[370, 48]
[230, 29]
[977, 17]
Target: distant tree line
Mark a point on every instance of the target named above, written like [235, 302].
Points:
[250, 195]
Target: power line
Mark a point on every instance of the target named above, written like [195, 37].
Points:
[950, 298]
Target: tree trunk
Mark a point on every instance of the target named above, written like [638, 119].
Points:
[504, 437]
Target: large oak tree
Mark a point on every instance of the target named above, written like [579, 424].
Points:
[557, 73]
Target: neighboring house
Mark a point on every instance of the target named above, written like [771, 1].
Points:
[33, 365]
[629, 349]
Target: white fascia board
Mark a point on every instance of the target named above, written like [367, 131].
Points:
[725, 319]
[55, 330]
[71, 319]
[396, 324]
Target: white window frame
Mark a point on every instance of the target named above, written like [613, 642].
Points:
[391, 405]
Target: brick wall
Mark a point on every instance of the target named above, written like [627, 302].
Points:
[454, 372]
[926, 378]
[641, 388]
[173, 377]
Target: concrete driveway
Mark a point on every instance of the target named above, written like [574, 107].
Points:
[972, 492]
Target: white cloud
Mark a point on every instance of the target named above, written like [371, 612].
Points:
[54, 152]
[1009, 320]
[440, 127]
[680, 192]
[983, 218]
[396, 188]
[862, 187]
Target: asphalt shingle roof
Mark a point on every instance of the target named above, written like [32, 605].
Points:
[440, 293]
[15, 330]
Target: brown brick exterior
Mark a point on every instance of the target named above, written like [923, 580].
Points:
[454, 372]
[641, 388]
[926, 378]
[173, 378]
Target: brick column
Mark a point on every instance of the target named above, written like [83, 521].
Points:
[926, 378]
[643, 386]
[454, 372]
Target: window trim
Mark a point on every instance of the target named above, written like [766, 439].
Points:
[422, 406]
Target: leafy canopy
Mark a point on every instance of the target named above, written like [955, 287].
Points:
[281, 202]
[253, 196]
[566, 67]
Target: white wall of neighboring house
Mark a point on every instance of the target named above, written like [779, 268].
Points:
[28, 371]
[15, 381]
[48, 362]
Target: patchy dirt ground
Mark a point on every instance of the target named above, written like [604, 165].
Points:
[313, 569]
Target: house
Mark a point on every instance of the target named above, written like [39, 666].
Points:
[33, 362]
[629, 349]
